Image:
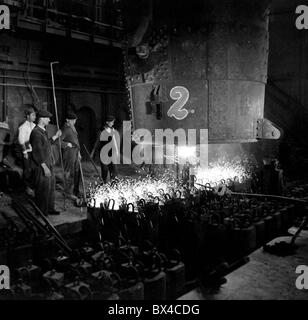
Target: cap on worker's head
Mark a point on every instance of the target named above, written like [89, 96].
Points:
[44, 114]
[110, 118]
[71, 116]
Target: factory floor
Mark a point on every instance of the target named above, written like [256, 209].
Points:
[71, 218]
[264, 277]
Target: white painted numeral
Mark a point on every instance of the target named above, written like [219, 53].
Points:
[181, 95]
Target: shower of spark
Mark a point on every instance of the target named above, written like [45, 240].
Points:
[223, 169]
[131, 190]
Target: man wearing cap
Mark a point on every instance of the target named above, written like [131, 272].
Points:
[71, 156]
[109, 131]
[42, 164]
[24, 132]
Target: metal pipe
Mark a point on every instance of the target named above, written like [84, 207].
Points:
[218, 79]
[29, 216]
[269, 196]
[43, 74]
[29, 225]
[49, 227]
[63, 88]
[301, 227]
[58, 128]
[20, 210]
[261, 195]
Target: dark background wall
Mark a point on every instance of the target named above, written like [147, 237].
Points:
[89, 80]
[286, 99]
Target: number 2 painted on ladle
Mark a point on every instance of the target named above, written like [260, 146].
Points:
[181, 95]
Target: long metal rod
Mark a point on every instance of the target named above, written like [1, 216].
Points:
[51, 228]
[269, 196]
[57, 120]
[28, 215]
[91, 160]
[94, 148]
[260, 195]
[301, 227]
[82, 181]
[27, 222]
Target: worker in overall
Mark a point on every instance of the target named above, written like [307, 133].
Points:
[24, 132]
[108, 130]
[42, 164]
[71, 156]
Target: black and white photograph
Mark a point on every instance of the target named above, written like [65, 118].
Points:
[153, 153]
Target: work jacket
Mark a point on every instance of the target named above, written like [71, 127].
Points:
[69, 135]
[41, 147]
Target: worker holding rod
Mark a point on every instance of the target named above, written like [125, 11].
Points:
[57, 122]
[43, 163]
[71, 156]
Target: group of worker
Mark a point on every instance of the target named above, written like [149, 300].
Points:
[39, 162]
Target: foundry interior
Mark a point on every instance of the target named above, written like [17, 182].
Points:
[207, 112]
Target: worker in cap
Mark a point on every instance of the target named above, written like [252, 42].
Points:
[71, 156]
[24, 132]
[110, 118]
[42, 164]
[109, 136]
[109, 140]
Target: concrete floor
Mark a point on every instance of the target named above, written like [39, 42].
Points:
[264, 277]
